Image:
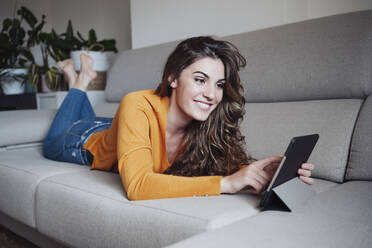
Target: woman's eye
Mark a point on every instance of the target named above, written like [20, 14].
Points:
[200, 80]
[220, 85]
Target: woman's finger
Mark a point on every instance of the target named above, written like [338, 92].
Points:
[307, 180]
[255, 185]
[307, 166]
[305, 173]
[260, 186]
[266, 161]
[272, 167]
[258, 176]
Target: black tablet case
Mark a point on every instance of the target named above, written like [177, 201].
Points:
[288, 191]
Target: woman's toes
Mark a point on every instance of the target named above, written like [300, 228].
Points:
[64, 63]
[86, 66]
[67, 68]
[86, 61]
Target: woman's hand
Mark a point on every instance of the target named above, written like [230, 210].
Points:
[256, 176]
[305, 173]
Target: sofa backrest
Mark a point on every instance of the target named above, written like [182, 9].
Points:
[268, 128]
[300, 78]
[310, 77]
[137, 69]
[324, 58]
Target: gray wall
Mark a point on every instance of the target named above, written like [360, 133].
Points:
[109, 18]
[155, 22]
[139, 23]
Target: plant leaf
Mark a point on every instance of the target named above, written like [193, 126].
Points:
[110, 45]
[16, 23]
[28, 55]
[6, 24]
[69, 31]
[92, 37]
[52, 78]
[33, 75]
[27, 15]
[81, 37]
[17, 35]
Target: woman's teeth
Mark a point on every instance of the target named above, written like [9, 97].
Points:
[203, 106]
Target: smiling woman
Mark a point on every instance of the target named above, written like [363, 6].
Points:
[182, 139]
[206, 100]
[196, 93]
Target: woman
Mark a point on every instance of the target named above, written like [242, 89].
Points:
[182, 139]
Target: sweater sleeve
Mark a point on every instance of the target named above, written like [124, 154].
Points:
[136, 165]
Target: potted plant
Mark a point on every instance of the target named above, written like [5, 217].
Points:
[15, 50]
[46, 74]
[58, 47]
[66, 45]
[96, 49]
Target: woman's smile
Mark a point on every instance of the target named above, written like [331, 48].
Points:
[203, 105]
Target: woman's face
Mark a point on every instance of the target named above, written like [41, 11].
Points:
[199, 88]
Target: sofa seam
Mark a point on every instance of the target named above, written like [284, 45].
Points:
[35, 194]
[352, 144]
[45, 179]
[18, 169]
[36, 188]
[348, 146]
[132, 204]
[31, 173]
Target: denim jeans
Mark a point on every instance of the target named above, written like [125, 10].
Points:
[73, 124]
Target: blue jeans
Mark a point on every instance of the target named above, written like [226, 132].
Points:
[73, 124]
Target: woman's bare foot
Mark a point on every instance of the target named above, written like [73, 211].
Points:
[87, 74]
[67, 67]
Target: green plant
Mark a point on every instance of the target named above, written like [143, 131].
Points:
[15, 43]
[60, 45]
[92, 44]
[14, 46]
[59, 48]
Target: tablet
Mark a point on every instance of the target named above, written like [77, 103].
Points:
[297, 153]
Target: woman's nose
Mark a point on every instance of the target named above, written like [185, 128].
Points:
[209, 92]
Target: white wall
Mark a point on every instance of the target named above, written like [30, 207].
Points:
[109, 18]
[154, 22]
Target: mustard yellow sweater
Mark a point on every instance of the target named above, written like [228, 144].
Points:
[135, 146]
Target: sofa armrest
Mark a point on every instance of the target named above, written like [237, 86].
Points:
[24, 126]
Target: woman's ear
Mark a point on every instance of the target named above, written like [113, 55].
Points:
[173, 81]
[173, 84]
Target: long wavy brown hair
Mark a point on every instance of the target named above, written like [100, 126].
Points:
[214, 146]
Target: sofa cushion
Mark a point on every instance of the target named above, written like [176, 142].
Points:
[79, 207]
[33, 123]
[106, 109]
[20, 173]
[328, 57]
[90, 209]
[360, 163]
[339, 217]
[268, 128]
[137, 69]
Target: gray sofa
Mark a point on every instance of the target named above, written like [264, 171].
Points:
[307, 77]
